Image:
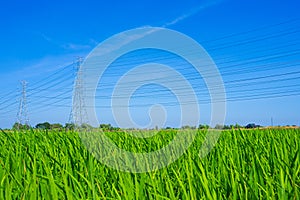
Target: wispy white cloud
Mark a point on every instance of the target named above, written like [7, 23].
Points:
[39, 68]
[76, 47]
[124, 39]
[66, 45]
[48, 39]
[192, 12]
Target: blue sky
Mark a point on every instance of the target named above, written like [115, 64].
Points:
[39, 37]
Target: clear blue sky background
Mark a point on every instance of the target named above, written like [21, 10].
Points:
[39, 37]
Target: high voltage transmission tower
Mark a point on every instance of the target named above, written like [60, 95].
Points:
[22, 116]
[78, 114]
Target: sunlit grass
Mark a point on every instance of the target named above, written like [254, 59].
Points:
[245, 164]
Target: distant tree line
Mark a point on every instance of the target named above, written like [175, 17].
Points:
[227, 127]
[67, 126]
[44, 126]
[109, 127]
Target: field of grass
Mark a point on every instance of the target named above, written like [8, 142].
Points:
[245, 164]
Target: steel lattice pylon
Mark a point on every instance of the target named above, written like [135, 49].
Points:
[78, 114]
[22, 116]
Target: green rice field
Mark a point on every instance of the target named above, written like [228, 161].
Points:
[244, 164]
